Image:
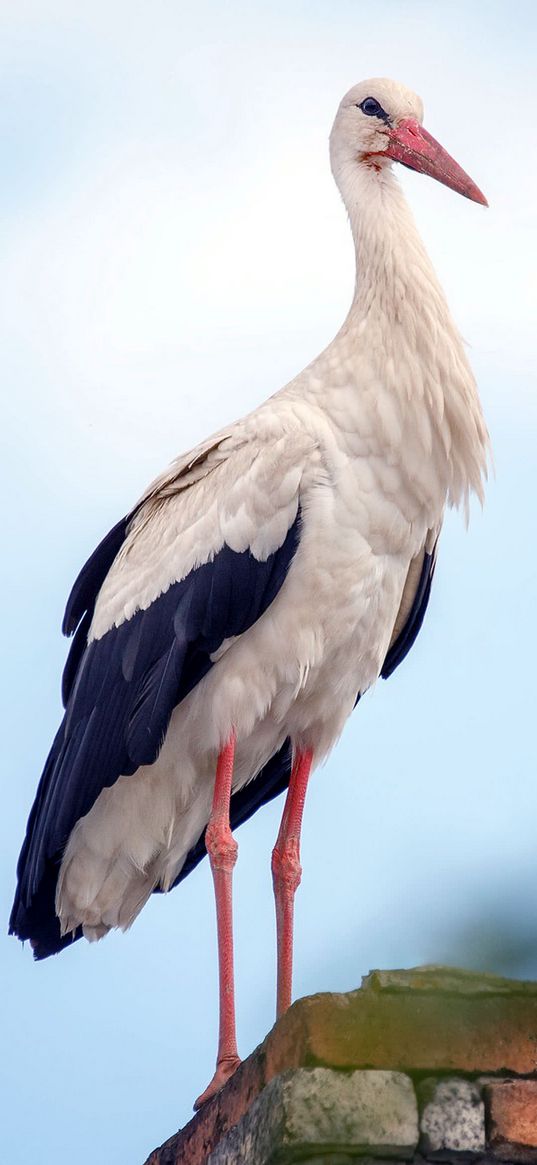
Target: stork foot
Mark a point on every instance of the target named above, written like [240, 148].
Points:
[224, 1069]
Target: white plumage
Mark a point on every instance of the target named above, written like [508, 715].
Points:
[260, 585]
[372, 439]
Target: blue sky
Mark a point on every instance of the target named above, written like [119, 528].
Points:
[174, 250]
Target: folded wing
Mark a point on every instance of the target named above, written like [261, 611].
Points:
[198, 562]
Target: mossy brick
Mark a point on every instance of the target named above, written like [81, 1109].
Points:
[319, 1111]
[424, 1020]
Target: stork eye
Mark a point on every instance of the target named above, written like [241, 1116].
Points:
[371, 107]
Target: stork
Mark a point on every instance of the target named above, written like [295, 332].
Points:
[225, 628]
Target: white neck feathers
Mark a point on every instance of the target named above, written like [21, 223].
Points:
[402, 334]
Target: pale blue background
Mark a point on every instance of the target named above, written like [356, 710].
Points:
[173, 249]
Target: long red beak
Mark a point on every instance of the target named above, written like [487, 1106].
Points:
[414, 147]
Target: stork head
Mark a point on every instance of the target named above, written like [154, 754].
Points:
[379, 122]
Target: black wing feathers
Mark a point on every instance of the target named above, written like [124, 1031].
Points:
[409, 633]
[90, 580]
[122, 690]
[81, 602]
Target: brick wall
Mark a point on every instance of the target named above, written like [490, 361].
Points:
[432, 1065]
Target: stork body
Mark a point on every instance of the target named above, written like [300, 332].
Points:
[261, 585]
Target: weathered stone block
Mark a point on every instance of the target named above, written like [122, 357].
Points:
[313, 1111]
[452, 1118]
[512, 1119]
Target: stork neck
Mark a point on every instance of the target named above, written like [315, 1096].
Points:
[400, 348]
[393, 271]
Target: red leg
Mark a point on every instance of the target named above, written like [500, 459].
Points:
[222, 850]
[287, 872]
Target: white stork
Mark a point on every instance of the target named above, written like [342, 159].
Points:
[225, 628]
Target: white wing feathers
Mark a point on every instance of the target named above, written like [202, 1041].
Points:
[232, 489]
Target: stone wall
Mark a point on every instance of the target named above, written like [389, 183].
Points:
[425, 1065]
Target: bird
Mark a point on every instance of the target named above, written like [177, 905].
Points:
[226, 627]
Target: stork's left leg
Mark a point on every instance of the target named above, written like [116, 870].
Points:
[287, 872]
[222, 850]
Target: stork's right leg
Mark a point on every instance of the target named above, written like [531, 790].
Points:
[222, 850]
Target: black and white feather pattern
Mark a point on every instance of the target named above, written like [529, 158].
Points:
[120, 691]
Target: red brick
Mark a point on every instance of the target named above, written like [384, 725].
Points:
[512, 1119]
